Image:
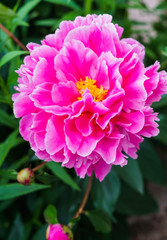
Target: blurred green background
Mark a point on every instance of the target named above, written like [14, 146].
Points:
[124, 191]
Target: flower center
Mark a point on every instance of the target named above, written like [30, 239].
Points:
[97, 93]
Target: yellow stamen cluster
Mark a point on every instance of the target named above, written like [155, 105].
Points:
[97, 93]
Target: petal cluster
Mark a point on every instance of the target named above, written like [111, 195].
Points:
[58, 232]
[96, 126]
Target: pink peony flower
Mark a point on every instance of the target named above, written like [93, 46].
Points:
[58, 232]
[85, 96]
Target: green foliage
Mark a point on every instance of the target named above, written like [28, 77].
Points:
[10, 55]
[50, 214]
[6, 13]
[100, 220]
[132, 175]
[12, 190]
[57, 192]
[61, 173]
[132, 203]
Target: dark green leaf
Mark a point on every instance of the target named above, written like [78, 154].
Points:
[131, 174]
[7, 145]
[26, 8]
[9, 174]
[163, 128]
[12, 190]
[100, 220]
[50, 214]
[8, 120]
[132, 203]
[61, 173]
[10, 55]
[17, 230]
[47, 22]
[161, 103]
[106, 193]
[41, 233]
[67, 3]
[150, 164]
[5, 13]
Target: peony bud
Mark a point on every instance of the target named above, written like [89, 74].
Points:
[58, 232]
[25, 176]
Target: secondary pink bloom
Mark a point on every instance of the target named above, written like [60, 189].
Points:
[57, 232]
[85, 96]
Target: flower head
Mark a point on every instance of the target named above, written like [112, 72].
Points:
[58, 232]
[84, 96]
[25, 176]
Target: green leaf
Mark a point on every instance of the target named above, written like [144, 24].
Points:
[161, 103]
[67, 3]
[26, 8]
[61, 173]
[9, 174]
[100, 220]
[131, 174]
[6, 146]
[50, 214]
[47, 22]
[133, 203]
[10, 55]
[17, 230]
[41, 233]
[164, 52]
[106, 193]
[12, 190]
[150, 164]
[6, 13]
[8, 120]
[163, 128]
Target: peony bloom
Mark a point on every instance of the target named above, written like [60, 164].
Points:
[58, 232]
[85, 96]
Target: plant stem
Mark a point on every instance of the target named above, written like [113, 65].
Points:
[38, 167]
[85, 198]
[15, 39]
[88, 6]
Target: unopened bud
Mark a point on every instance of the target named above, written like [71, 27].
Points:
[58, 232]
[25, 176]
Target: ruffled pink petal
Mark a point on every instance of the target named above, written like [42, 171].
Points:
[54, 138]
[64, 94]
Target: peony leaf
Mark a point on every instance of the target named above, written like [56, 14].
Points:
[100, 220]
[26, 8]
[150, 164]
[6, 13]
[40, 234]
[50, 214]
[7, 145]
[132, 175]
[10, 55]
[132, 203]
[62, 174]
[67, 3]
[8, 120]
[12, 190]
[17, 229]
[106, 193]
[163, 128]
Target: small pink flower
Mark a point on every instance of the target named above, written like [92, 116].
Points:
[57, 232]
[84, 96]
